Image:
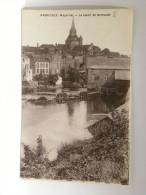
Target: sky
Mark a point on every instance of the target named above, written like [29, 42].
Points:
[106, 28]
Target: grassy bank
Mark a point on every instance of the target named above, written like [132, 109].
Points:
[102, 159]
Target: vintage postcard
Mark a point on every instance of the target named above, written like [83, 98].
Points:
[76, 94]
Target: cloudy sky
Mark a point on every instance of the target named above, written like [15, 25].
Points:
[108, 28]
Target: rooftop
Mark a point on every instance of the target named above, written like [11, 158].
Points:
[103, 62]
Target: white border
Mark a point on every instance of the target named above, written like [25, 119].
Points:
[10, 101]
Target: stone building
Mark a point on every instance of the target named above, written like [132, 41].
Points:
[72, 39]
[47, 65]
[56, 64]
[68, 62]
[79, 62]
[26, 68]
[41, 65]
[107, 72]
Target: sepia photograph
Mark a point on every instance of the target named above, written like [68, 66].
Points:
[76, 80]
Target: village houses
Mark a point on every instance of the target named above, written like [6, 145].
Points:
[102, 66]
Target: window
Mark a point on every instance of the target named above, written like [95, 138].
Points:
[37, 65]
[96, 77]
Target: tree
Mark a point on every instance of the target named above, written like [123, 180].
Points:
[29, 155]
[74, 75]
[38, 77]
[52, 79]
[63, 73]
[106, 52]
[39, 149]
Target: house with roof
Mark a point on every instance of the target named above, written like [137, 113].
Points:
[41, 65]
[108, 73]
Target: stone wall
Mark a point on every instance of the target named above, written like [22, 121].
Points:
[97, 77]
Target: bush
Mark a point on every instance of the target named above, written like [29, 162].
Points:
[101, 159]
[34, 162]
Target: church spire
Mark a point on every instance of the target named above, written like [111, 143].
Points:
[73, 29]
[72, 39]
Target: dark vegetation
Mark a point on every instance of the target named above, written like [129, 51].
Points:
[73, 78]
[103, 158]
[46, 79]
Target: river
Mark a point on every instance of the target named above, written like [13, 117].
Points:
[59, 124]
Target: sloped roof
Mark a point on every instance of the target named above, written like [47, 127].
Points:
[29, 49]
[104, 62]
[47, 45]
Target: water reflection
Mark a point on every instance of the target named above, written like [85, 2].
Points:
[104, 104]
[70, 110]
[60, 123]
[70, 107]
[97, 105]
[57, 123]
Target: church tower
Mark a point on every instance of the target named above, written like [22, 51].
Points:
[73, 29]
[72, 39]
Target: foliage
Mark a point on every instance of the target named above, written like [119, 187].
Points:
[74, 78]
[46, 79]
[38, 77]
[106, 52]
[40, 150]
[33, 163]
[63, 73]
[74, 75]
[103, 158]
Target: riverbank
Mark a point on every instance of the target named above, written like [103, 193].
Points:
[45, 98]
[103, 158]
